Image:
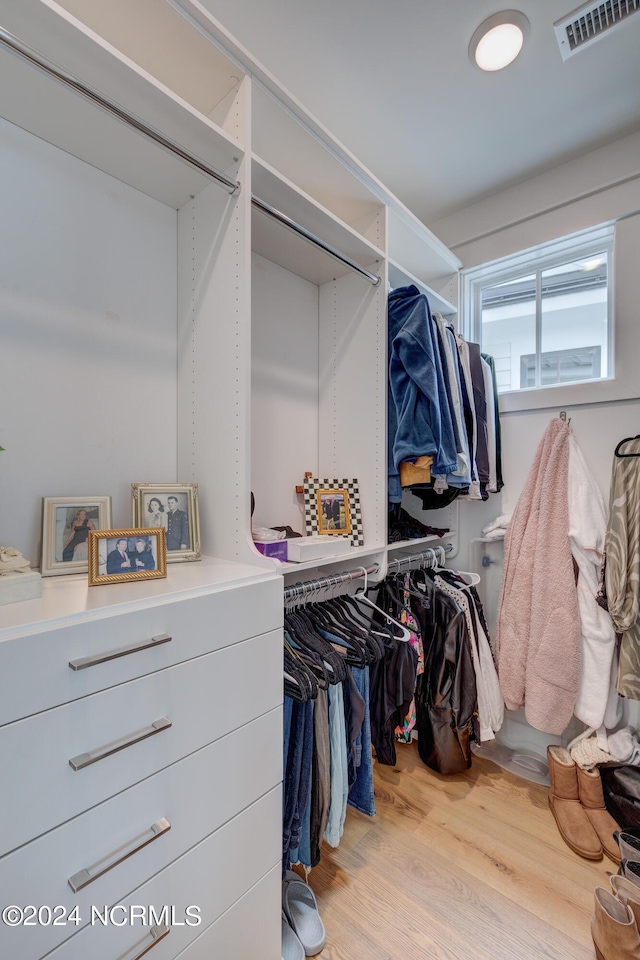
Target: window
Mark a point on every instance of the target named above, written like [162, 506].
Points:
[544, 314]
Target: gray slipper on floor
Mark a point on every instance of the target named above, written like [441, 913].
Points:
[292, 949]
[301, 909]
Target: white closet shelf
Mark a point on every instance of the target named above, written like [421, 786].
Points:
[414, 546]
[399, 277]
[198, 70]
[419, 250]
[281, 139]
[277, 243]
[57, 114]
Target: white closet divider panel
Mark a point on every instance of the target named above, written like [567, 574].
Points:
[352, 388]
[214, 357]
[284, 387]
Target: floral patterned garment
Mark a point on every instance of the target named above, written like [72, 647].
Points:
[402, 732]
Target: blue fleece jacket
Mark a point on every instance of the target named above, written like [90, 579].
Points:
[420, 421]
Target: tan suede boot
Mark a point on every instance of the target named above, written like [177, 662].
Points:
[613, 929]
[628, 893]
[564, 799]
[592, 800]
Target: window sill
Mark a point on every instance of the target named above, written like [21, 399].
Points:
[564, 395]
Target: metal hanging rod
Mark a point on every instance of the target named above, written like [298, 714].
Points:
[429, 554]
[311, 237]
[25, 52]
[298, 590]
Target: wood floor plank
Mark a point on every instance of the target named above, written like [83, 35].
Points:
[469, 867]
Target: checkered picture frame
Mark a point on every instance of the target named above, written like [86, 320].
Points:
[310, 489]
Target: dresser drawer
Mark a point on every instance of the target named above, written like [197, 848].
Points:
[251, 929]
[35, 669]
[212, 876]
[192, 797]
[203, 699]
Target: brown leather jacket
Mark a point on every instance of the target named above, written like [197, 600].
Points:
[446, 699]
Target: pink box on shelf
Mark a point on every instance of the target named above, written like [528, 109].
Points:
[273, 548]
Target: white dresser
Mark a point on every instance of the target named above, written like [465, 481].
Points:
[141, 748]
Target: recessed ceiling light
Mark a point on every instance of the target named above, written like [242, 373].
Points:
[498, 40]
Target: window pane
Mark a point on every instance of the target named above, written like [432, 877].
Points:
[509, 327]
[574, 321]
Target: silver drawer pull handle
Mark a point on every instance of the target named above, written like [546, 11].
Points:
[84, 877]
[157, 933]
[83, 662]
[85, 759]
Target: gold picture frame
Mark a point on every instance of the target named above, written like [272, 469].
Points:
[130, 554]
[174, 507]
[332, 508]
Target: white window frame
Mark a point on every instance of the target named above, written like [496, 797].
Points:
[542, 257]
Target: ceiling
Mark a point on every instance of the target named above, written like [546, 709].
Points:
[393, 82]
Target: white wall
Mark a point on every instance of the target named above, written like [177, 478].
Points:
[601, 186]
[87, 334]
[284, 392]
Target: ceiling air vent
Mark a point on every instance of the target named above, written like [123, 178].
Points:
[590, 22]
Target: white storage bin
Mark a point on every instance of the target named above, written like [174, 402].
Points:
[301, 549]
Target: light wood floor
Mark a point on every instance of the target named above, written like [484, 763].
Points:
[469, 867]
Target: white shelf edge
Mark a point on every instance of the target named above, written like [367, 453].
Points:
[354, 553]
[413, 546]
[436, 301]
[367, 246]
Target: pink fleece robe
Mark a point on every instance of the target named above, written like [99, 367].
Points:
[538, 618]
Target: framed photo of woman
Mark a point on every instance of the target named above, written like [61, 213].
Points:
[66, 522]
[172, 507]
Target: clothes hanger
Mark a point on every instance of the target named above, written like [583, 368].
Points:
[405, 633]
[626, 440]
[315, 649]
[468, 578]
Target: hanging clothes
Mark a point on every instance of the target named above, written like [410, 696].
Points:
[597, 703]
[420, 422]
[329, 648]
[538, 640]
[446, 696]
[622, 567]
[496, 423]
[490, 703]
[457, 663]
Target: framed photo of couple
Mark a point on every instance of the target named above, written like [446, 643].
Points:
[116, 555]
[174, 508]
